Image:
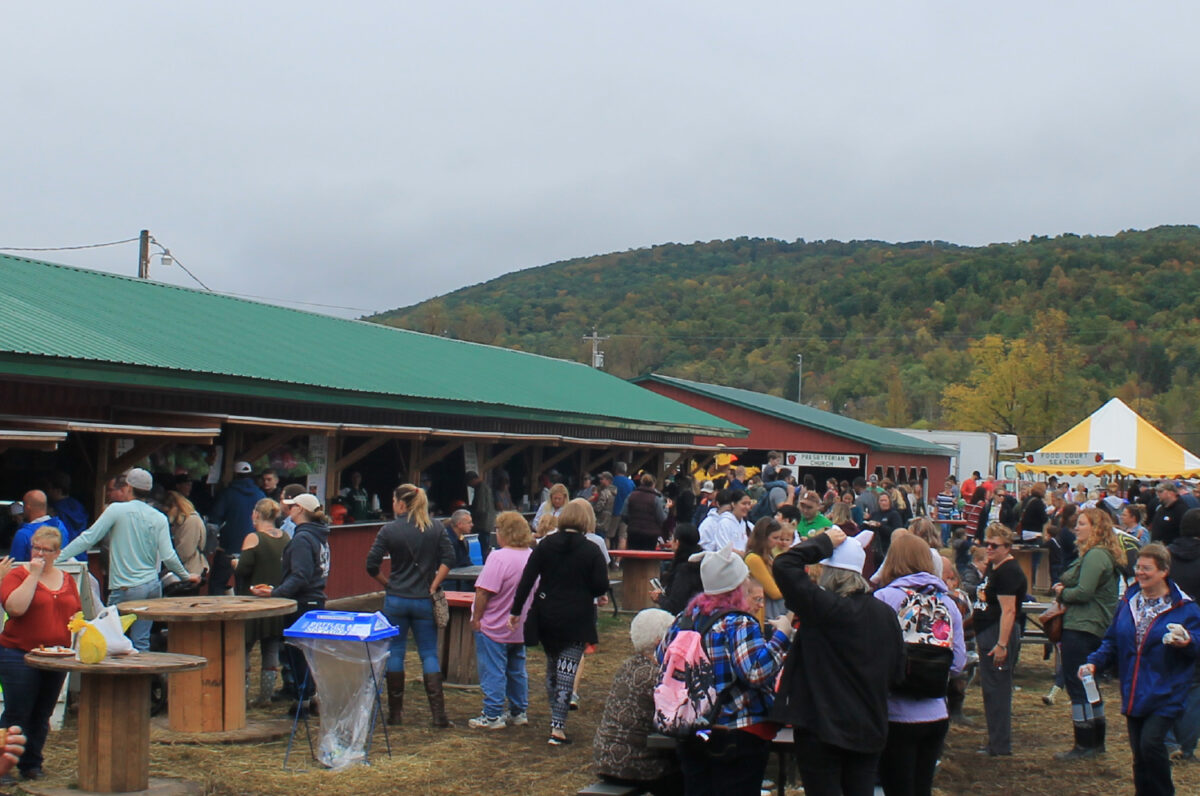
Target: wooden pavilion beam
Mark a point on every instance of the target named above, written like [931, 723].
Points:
[265, 446]
[363, 450]
[139, 451]
[503, 456]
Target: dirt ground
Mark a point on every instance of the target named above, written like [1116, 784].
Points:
[518, 760]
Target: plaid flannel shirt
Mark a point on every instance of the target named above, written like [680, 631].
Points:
[745, 666]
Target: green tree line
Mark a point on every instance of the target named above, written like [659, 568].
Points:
[1023, 337]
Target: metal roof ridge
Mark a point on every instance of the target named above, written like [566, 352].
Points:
[259, 303]
[700, 387]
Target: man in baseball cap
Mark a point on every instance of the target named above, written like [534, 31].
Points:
[232, 513]
[811, 518]
[138, 536]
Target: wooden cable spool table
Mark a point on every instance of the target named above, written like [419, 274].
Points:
[457, 643]
[114, 715]
[637, 568]
[214, 699]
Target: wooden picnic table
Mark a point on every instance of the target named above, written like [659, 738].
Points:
[457, 648]
[213, 627]
[637, 568]
[114, 715]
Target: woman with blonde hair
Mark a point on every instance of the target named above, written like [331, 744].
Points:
[187, 534]
[305, 569]
[545, 521]
[261, 562]
[1089, 591]
[499, 649]
[570, 574]
[917, 722]
[840, 515]
[420, 558]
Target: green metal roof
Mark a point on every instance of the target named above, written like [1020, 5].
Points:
[880, 439]
[62, 322]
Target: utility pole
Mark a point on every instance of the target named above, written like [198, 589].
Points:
[597, 354]
[144, 255]
[799, 377]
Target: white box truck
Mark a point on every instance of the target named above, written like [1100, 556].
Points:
[974, 450]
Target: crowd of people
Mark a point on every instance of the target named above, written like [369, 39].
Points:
[855, 616]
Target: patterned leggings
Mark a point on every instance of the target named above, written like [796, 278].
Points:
[562, 662]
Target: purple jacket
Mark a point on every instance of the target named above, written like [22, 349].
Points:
[908, 710]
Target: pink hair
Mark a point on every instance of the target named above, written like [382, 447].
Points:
[732, 600]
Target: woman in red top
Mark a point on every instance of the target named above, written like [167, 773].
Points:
[40, 598]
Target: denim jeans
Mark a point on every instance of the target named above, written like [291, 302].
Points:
[1186, 730]
[405, 613]
[139, 631]
[501, 676]
[29, 698]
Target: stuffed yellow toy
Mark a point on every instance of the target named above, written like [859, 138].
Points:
[102, 636]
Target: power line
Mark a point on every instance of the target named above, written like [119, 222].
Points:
[65, 248]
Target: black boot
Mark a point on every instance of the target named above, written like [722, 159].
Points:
[395, 695]
[1085, 744]
[437, 700]
[955, 697]
[1100, 726]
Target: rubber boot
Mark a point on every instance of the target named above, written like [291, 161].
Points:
[1085, 743]
[1100, 728]
[395, 694]
[955, 697]
[437, 700]
[266, 686]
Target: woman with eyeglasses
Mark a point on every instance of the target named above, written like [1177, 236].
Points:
[1153, 642]
[40, 599]
[998, 635]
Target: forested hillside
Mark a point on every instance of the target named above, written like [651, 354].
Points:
[1024, 337]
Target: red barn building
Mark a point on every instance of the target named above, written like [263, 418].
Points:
[825, 444]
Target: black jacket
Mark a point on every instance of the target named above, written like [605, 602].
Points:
[1008, 515]
[681, 583]
[305, 564]
[1185, 565]
[573, 573]
[415, 556]
[846, 653]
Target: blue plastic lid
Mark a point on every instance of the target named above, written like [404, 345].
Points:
[346, 625]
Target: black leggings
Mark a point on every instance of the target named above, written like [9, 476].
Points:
[910, 757]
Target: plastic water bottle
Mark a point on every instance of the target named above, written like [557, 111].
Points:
[1089, 688]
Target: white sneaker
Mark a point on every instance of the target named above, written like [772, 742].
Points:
[484, 723]
[518, 719]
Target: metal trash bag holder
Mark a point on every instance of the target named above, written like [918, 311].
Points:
[352, 642]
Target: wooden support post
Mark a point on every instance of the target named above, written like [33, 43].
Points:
[333, 476]
[233, 441]
[414, 462]
[265, 446]
[103, 455]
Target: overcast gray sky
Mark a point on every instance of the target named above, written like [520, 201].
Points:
[374, 154]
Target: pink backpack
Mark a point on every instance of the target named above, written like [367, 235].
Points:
[686, 697]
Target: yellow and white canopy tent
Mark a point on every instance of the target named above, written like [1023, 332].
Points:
[1114, 441]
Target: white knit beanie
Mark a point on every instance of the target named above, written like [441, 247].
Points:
[722, 571]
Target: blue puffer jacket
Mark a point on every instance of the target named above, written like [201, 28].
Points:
[1155, 678]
